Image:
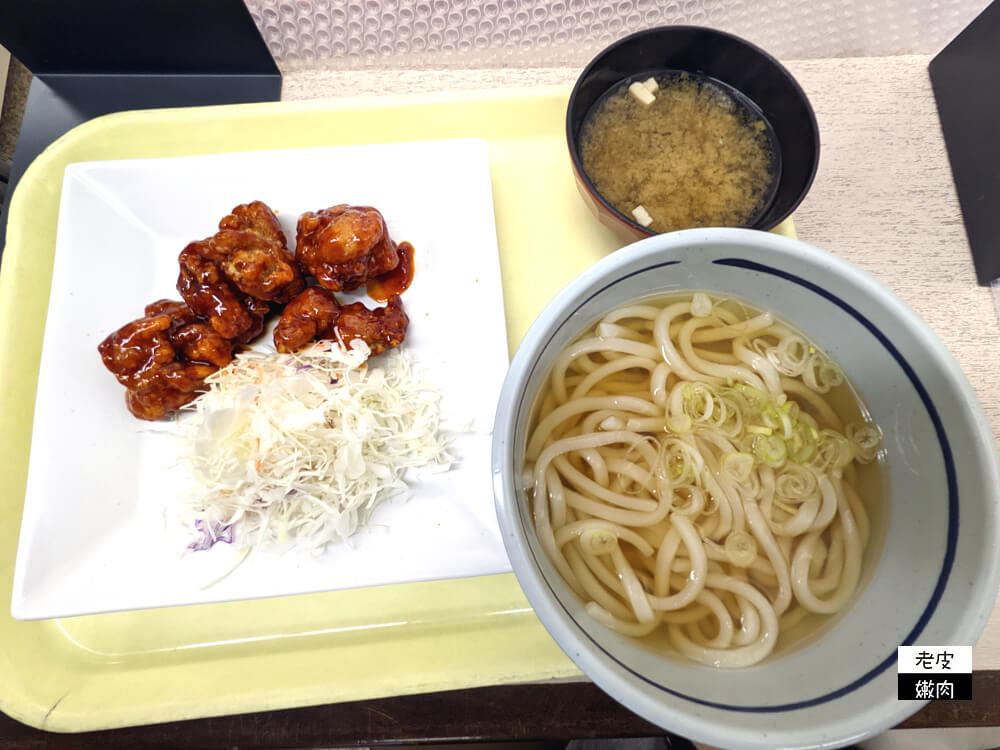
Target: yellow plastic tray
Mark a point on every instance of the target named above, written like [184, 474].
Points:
[95, 672]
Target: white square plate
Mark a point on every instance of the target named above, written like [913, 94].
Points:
[102, 484]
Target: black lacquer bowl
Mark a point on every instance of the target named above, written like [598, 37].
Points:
[740, 67]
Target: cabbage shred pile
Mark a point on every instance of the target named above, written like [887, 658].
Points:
[300, 448]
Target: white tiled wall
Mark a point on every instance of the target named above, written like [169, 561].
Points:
[492, 33]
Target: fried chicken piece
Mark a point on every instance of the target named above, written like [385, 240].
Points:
[308, 317]
[232, 277]
[178, 311]
[381, 328]
[255, 265]
[137, 349]
[252, 252]
[211, 295]
[256, 217]
[191, 337]
[342, 246]
[198, 342]
[156, 404]
[259, 307]
[171, 387]
[384, 258]
[163, 358]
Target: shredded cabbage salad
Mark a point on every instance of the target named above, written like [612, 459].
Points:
[300, 448]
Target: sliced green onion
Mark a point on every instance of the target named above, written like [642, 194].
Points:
[786, 507]
[599, 541]
[699, 402]
[701, 305]
[829, 374]
[678, 462]
[770, 416]
[740, 548]
[737, 466]
[754, 398]
[731, 423]
[866, 439]
[770, 449]
[801, 446]
[796, 483]
[833, 451]
[821, 374]
[679, 423]
[790, 355]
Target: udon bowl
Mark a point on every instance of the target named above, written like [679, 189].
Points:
[932, 582]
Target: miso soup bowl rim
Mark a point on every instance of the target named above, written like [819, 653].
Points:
[574, 144]
[828, 727]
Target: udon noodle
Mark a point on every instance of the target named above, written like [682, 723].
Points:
[690, 474]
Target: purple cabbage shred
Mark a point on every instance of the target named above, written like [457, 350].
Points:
[210, 534]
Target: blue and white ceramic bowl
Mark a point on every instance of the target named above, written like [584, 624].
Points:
[935, 580]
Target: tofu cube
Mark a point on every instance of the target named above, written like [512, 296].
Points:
[641, 93]
[642, 215]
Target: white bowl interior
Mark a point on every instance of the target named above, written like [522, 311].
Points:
[931, 577]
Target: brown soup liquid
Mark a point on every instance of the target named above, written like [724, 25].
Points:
[697, 156]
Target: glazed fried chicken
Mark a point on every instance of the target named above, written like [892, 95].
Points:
[256, 217]
[343, 246]
[179, 312]
[163, 358]
[381, 328]
[230, 282]
[170, 388]
[315, 315]
[190, 336]
[137, 349]
[211, 295]
[255, 266]
[252, 252]
[231, 277]
[308, 317]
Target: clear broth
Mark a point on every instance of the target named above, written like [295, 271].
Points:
[872, 486]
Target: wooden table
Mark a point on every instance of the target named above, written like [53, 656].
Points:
[883, 199]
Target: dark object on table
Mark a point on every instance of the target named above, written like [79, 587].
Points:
[553, 712]
[964, 79]
[90, 59]
[727, 59]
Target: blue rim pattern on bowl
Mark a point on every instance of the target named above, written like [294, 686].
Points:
[953, 507]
